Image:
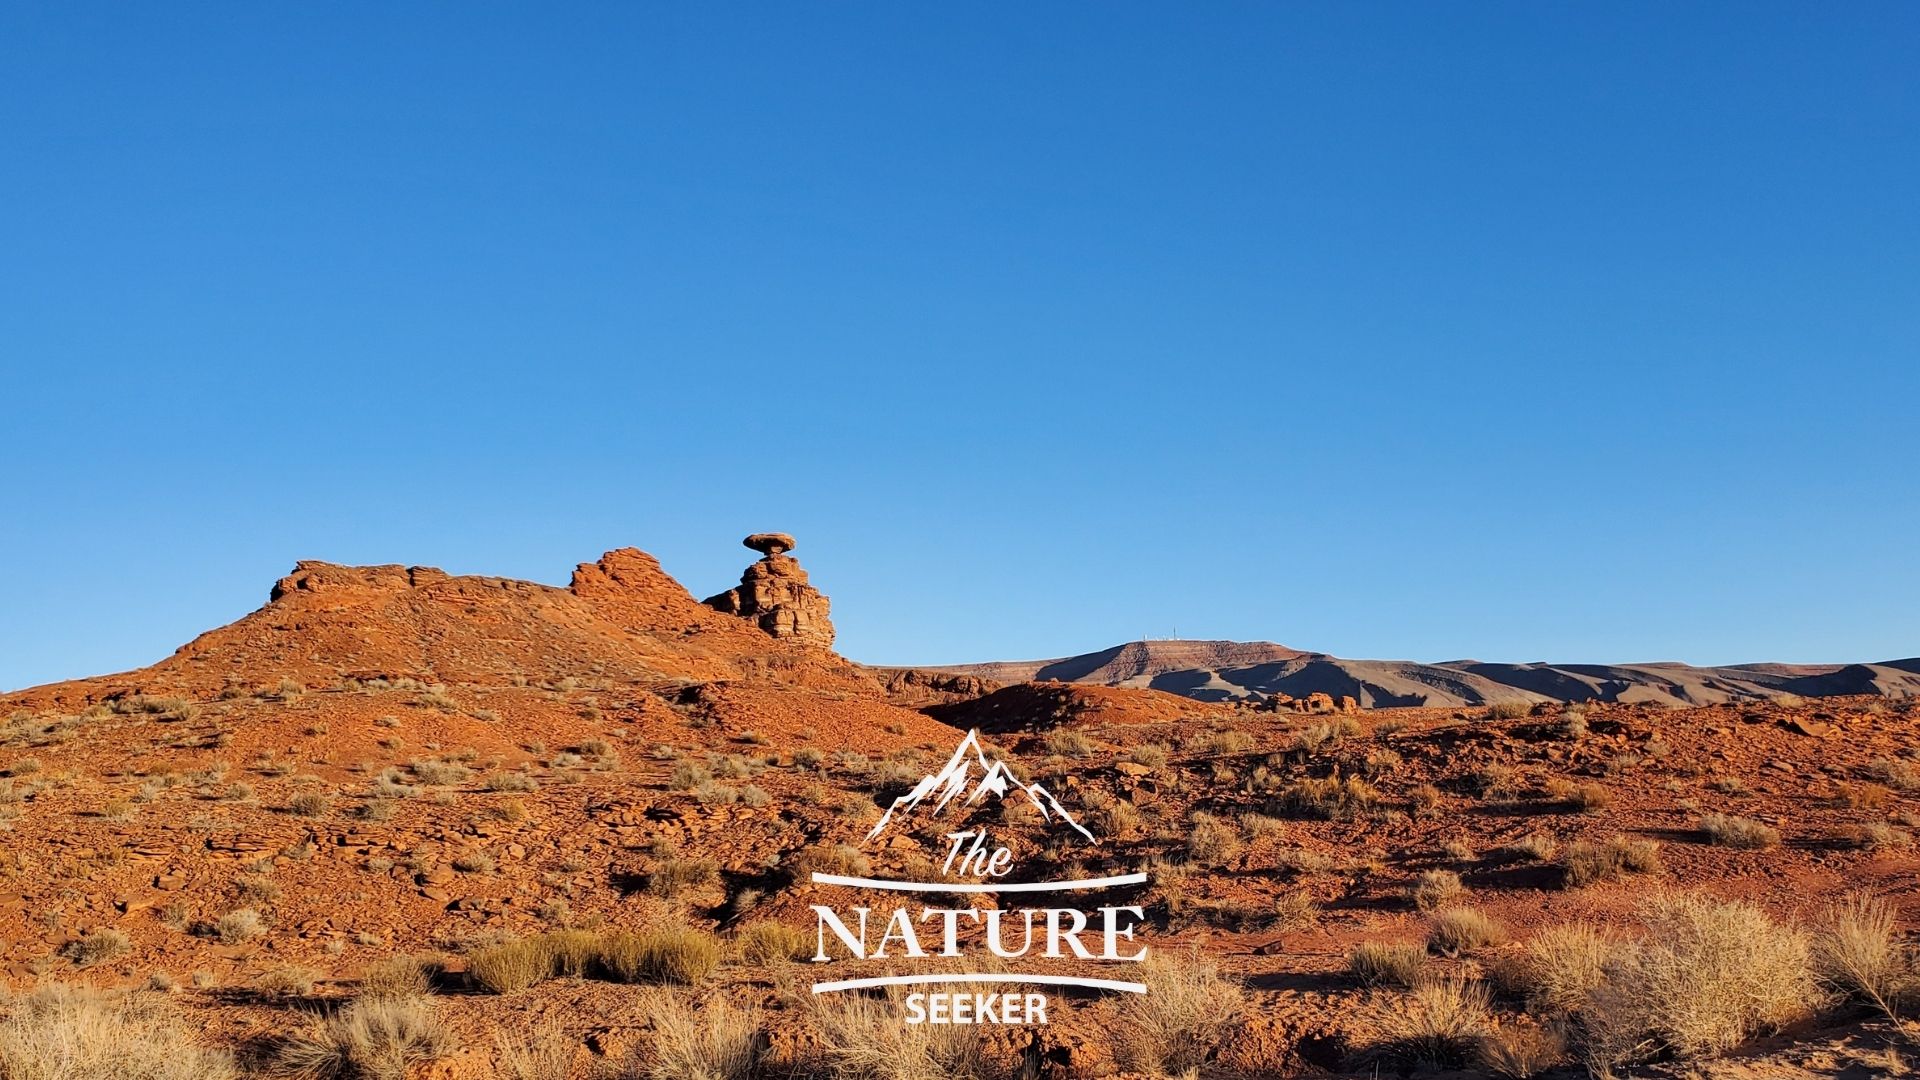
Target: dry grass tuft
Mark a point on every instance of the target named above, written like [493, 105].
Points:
[1738, 832]
[58, 1033]
[1435, 889]
[1562, 965]
[1586, 863]
[1180, 1024]
[671, 954]
[1438, 1022]
[1857, 952]
[1388, 963]
[540, 1052]
[863, 1039]
[1453, 931]
[771, 943]
[1519, 1051]
[371, 1039]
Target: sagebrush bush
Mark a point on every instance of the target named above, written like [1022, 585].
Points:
[97, 947]
[1706, 976]
[1519, 1051]
[1561, 965]
[1333, 798]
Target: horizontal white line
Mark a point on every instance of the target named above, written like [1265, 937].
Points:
[988, 887]
[917, 980]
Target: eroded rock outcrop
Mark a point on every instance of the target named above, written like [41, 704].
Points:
[775, 596]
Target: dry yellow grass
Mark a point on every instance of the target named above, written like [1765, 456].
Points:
[1705, 977]
[1180, 1023]
[58, 1033]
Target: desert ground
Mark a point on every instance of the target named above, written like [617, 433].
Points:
[399, 823]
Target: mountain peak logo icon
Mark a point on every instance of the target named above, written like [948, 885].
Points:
[970, 776]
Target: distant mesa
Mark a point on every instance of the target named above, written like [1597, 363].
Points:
[1278, 677]
[774, 595]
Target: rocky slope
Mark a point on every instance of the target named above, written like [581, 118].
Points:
[1228, 670]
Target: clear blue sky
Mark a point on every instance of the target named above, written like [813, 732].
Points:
[1513, 331]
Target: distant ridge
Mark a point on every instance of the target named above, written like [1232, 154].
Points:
[1227, 670]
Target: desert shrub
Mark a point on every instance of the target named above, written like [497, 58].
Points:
[1437, 1022]
[1562, 965]
[399, 976]
[771, 943]
[473, 861]
[1068, 743]
[688, 776]
[670, 954]
[1423, 800]
[97, 947]
[1706, 976]
[1738, 832]
[1896, 774]
[511, 966]
[843, 859]
[371, 1039]
[288, 982]
[862, 1038]
[1211, 841]
[1507, 710]
[1227, 742]
[439, 773]
[1333, 798]
[1436, 888]
[1455, 930]
[717, 1041]
[1152, 755]
[1112, 815]
[1877, 836]
[1187, 1014]
[238, 925]
[510, 781]
[675, 876]
[1857, 953]
[59, 1033]
[1533, 847]
[1520, 1050]
[436, 697]
[309, 804]
[1295, 909]
[1388, 963]
[1574, 796]
[1586, 863]
[542, 1051]
[1864, 796]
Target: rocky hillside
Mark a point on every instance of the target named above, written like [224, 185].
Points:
[1228, 670]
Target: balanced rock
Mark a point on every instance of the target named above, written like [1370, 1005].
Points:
[774, 594]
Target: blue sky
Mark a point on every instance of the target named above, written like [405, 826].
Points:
[1508, 331]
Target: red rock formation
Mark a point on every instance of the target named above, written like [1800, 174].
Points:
[774, 594]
